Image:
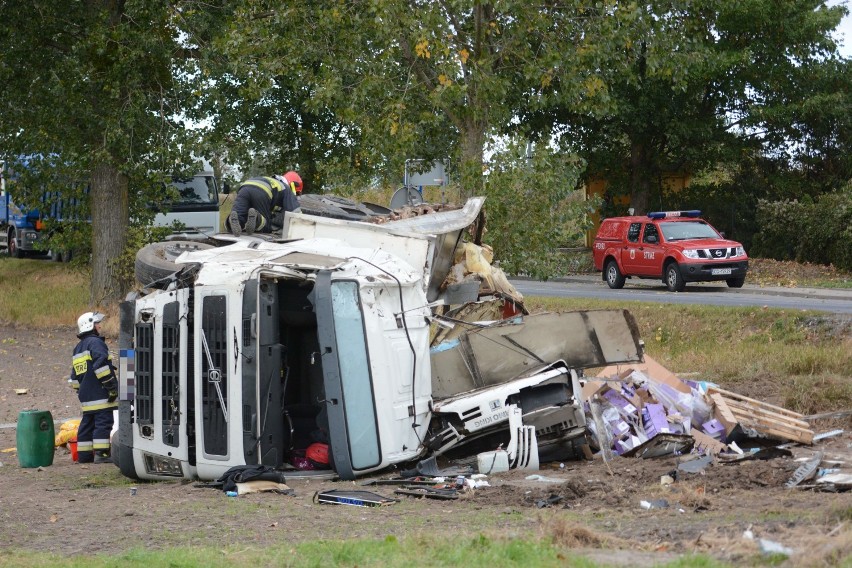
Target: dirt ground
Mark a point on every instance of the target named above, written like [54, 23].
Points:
[596, 507]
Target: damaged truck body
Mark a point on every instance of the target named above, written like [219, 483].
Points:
[346, 332]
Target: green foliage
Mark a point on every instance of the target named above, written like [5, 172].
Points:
[138, 236]
[818, 230]
[686, 83]
[532, 208]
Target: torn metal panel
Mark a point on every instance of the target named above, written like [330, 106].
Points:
[503, 351]
[805, 471]
[662, 445]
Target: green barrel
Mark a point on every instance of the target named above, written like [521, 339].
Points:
[35, 438]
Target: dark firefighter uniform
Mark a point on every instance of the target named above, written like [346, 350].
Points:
[93, 375]
[265, 195]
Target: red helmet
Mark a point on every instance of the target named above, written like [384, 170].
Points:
[317, 452]
[295, 180]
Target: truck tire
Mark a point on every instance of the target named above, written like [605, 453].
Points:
[55, 255]
[157, 260]
[12, 246]
[736, 282]
[614, 277]
[673, 279]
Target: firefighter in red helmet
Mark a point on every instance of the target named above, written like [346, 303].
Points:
[295, 182]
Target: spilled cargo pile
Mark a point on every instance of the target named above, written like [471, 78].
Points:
[646, 411]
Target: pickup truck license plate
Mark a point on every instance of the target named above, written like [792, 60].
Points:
[720, 271]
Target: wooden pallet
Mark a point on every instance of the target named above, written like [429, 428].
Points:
[766, 419]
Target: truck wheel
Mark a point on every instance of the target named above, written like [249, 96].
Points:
[736, 282]
[157, 260]
[614, 277]
[674, 281]
[55, 255]
[12, 246]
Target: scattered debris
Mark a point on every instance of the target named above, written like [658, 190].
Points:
[655, 504]
[549, 502]
[263, 486]
[21, 391]
[429, 492]
[805, 471]
[356, 498]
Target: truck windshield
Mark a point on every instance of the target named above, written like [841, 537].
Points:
[684, 230]
[196, 190]
[355, 375]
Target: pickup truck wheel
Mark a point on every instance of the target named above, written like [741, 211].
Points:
[55, 255]
[736, 282]
[674, 281]
[614, 277]
[12, 246]
[157, 260]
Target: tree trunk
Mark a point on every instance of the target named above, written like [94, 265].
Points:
[640, 177]
[470, 168]
[110, 209]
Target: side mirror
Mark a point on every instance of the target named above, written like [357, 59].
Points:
[722, 233]
[651, 239]
[226, 188]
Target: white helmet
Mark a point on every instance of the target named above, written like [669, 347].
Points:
[87, 322]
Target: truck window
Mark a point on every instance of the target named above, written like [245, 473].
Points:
[633, 232]
[651, 234]
[198, 190]
[355, 377]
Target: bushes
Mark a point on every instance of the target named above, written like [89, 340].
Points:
[807, 231]
[532, 208]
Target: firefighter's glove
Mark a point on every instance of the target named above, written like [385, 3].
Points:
[112, 390]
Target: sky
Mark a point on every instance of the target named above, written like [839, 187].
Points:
[843, 34]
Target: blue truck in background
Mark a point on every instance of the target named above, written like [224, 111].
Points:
[195, 208]
[20, 226]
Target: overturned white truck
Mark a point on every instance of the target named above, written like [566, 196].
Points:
[345, 331]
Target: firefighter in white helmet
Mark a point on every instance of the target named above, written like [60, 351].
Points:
[93, 375]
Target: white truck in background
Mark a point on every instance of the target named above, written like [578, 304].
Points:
[329, 331]
[196, 209]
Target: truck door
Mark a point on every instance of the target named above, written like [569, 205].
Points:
[349, 400]
[650, 255]
[631, 250]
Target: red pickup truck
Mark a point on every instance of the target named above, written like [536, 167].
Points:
[674, 246]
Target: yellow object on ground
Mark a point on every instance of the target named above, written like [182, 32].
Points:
[67, 432]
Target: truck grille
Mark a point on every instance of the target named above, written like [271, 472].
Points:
[170, 395]
[144, 403]
[214, 325]
[716, 253]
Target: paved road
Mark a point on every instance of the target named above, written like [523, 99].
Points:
[707, 293]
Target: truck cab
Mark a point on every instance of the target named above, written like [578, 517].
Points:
[674, 246]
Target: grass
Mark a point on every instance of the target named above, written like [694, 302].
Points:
[41, 294]
[479, 551]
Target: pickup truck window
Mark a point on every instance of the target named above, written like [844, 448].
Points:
[633, 232]
[651, 234]
[355, 375]
[685, 230]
